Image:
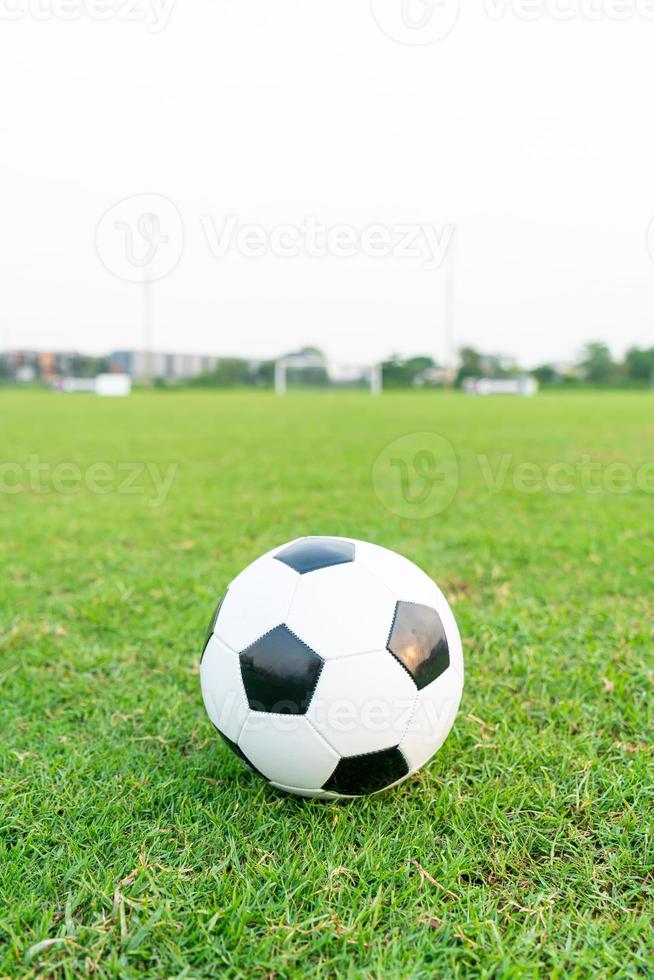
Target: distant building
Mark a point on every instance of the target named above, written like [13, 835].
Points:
[52, 367]
[144, 366]
[48, 366]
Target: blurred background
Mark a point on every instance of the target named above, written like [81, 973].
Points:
[191, 191]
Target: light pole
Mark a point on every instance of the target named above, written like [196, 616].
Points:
[448, 313]
[148, 328]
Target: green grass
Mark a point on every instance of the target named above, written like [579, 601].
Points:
[131, 840]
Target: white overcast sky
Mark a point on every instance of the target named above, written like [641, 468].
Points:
[532, 137]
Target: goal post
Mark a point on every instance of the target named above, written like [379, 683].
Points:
[320, 372]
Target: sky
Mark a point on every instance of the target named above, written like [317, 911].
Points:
[371, 177]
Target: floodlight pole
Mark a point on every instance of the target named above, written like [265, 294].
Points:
[448, 313]
[148, 322]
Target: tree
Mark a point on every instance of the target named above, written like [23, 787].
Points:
[264, 374]
[597, 364]
[640, 364]
[545, 374]
[471, 365]
[228, 373]
[404, 373]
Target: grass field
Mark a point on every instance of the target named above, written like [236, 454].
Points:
[131, 840]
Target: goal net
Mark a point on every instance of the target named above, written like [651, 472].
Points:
[313, 371]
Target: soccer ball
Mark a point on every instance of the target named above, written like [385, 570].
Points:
[333, 668]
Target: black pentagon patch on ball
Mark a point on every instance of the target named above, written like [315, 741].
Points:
[311, 554]
[238, 752]
[419, 642]
[212, 626]
[280, 673]
[359, 775]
